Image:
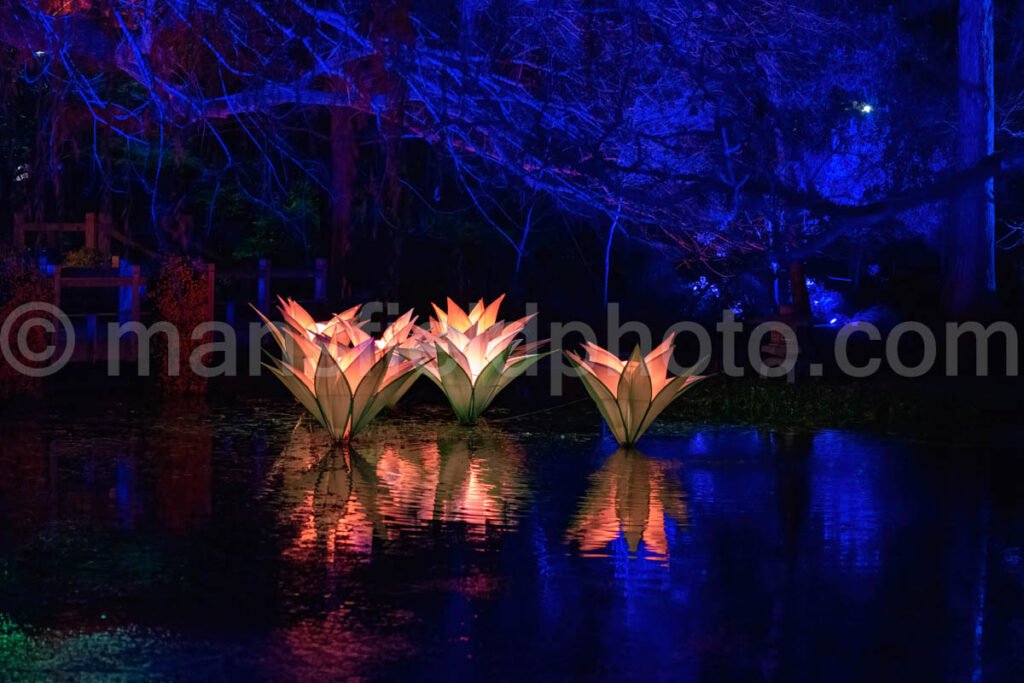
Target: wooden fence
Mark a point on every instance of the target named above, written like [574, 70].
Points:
[91, 340]
[98, 230]
[99, 234]
[265, 274]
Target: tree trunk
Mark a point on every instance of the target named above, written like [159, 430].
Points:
[343, 173]
[970, 249]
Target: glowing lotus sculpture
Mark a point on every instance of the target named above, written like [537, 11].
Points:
[299, 319]
[631, 394]
[473, 356]
[341, 374]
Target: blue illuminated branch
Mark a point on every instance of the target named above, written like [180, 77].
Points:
[668, 121]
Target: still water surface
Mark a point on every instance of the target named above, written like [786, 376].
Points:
[223, 542]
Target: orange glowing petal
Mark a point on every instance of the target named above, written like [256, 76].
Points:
[490, 314]
[305, 375]
[299, 314]
[354, 333]
[307, 347]
[657, 364]
[439, 325]
[477, 311]
[457, 318]
[609, 377]
[348, 313]
[596, 354]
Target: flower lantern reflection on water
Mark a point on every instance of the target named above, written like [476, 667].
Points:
[631, 394]
[473, 356]
[634, 498]
[341, 374]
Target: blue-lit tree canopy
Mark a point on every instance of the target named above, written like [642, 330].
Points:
[734, 136]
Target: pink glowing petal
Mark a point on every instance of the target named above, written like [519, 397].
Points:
[457, 339]
[527, 349]
[357, 361]
[460, 358]
[430, 367]
[476, 354]
[397, 368]
[501, 341]
[398, 331]
[519, 324]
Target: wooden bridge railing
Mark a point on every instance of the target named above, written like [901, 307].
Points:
[264, 274]
[98, 229]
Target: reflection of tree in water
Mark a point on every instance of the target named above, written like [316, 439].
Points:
[631, 498]
[393, 484]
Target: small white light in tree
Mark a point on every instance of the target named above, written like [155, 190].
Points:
[866, 108]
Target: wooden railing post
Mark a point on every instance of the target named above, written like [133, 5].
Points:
[136, 293]
[103, 227]
[90, 231]
[320, 280]
[263, 286]
[211, 273]
[56, 285]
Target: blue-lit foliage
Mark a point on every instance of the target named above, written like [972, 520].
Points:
[669, 122]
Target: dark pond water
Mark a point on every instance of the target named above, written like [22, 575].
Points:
[219, 541]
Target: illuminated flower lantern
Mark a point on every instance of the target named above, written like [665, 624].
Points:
[473, 356]
[631, 394]
[301, 321]
[341, 374]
